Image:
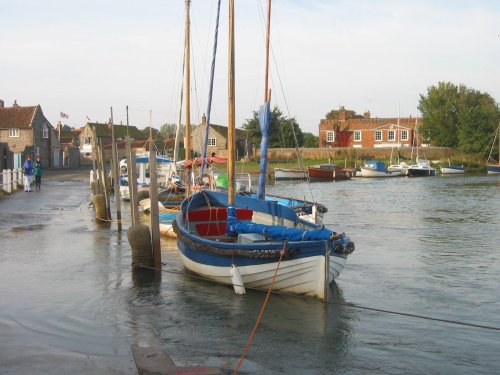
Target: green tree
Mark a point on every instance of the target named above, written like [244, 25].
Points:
[281, 130]
[334, 114]
[310, 140]
[158, 138]
[168, 130]
[440, 112]
[458, 116]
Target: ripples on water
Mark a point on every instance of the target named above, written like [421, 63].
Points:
[427, 246]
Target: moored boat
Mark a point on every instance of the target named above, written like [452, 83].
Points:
[453, 169]
[289, 174]
[376, 168]
[328, 172]
[253, 243]
[421, 169]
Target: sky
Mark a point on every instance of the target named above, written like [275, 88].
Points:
[90, 58]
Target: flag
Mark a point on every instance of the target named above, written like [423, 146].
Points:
[64, 115]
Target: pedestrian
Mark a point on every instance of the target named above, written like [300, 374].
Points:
[37, 171]
[28, 173]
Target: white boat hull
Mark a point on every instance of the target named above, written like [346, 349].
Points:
[371, 173]
[493, 169]
[304, 276]
[452, 170]
[289, 174]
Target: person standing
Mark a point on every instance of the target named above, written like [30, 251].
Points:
[37, 171]
[28, 173]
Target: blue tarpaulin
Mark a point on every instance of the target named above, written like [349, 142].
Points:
[275, 232]
[264, 121]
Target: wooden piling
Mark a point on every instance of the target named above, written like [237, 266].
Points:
[132, 183]
[114, 170]
[153, 196]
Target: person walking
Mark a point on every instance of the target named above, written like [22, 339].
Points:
[28, 173]
[37, 171]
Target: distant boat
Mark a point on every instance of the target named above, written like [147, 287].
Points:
[328, 172]
[421, 169]
[289, 174]
[402, 167]
[166, 174]
[490, 167]
[376, 168]
[453, 169]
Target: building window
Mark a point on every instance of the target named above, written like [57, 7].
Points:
[13, 133]
[378, 135]
[211, 142]
[391, 135]
[357, 135]
[330, 136]
[404, 135]
[86, 140]
[45, 132]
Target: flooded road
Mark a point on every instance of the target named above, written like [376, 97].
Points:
[70, 304]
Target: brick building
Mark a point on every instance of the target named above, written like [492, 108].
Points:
[26, 130]
[366, 132]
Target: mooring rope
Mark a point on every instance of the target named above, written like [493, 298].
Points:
[257, 323]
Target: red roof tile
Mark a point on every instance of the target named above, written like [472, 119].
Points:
[16, 117]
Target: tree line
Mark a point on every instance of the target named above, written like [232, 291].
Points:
[453, 116]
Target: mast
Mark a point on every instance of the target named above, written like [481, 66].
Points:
[265, 115]
[268, 33]
[231, 115]
[210, 93]
[187, 132]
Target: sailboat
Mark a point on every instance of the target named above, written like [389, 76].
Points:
[422, 167]
[490, 167]
[249, 242]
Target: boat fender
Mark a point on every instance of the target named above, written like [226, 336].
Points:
[237, 281]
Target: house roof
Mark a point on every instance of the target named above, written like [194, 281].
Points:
[17, 117]
[103, 131]
[222, 130]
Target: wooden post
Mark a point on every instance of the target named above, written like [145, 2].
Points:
[132, 182]
[104, 179]
[153, 196]
[114, 169]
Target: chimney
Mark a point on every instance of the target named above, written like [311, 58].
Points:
[15, 104]
[366, 115]
[342, 113]
[2, 104]
[204, 120]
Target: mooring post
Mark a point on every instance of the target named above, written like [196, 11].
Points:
[154, 211]
[114, 169]
[132, 182]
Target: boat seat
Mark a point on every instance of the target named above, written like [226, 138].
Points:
[211, 229]
[216, 214]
